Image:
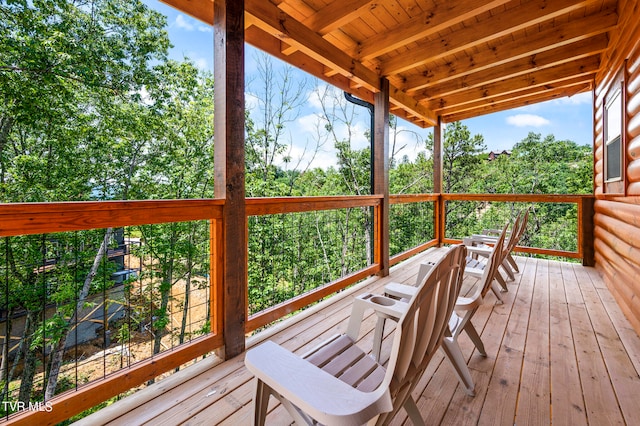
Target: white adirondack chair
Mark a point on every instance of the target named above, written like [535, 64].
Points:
[461, 317]
[340, 384]
[478, 246]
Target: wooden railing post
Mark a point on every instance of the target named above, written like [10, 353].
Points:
[229, 166]
[440, 219]
[381, 173]
[586, 228]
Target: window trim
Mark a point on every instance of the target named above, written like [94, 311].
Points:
[616, 185]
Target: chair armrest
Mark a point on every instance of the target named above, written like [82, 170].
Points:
[481, 251]
[326, 398]
[400, 291]
[493, 232]
[482, 239]
[384, 307]
[464, 304]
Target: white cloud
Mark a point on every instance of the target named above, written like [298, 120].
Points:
[309, 123]
[409, 143]
[307, 157]
[201, 63]
[188, 24]
[584, 98]
[250, 101]
[331, 94]
[183, 23]
[526, 120]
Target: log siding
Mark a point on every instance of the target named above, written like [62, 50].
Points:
[617, 218]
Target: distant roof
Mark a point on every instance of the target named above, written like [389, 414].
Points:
[494, 154]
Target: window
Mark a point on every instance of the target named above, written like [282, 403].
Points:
[614, 141]
[613, 138]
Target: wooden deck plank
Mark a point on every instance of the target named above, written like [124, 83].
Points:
[533, 401]
[234, 404]
[559, 351]
[220, 394]
[623, 375]
[599, 397]
[500, 403]
[491, 324]
[147, 404]
[626, 332]
[566, 392]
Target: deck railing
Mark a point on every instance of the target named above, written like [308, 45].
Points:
[296, 229]
[571, 215]
[303, 238]
[412, 225]
[148, 305]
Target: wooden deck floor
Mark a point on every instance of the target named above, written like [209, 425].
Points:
[559, 352]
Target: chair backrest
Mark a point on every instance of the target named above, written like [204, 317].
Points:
[511, 240]
[500, 251]
[518, 228]
[421, 329]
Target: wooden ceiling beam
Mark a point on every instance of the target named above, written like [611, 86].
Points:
[528, 96]
[486, 73]
[558, 56]
[402, 113]
[541, 78]
[499, 53]
[514, 19]
[412, 106]
[510, 102]
[282, 26]
[442, 16]
[336, 15]
[516, 97]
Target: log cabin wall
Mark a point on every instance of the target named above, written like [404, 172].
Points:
[617, 217]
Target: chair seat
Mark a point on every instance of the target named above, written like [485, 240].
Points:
[341, 358]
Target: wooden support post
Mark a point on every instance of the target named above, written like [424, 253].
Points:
[586, 212]
[440, 210]
[381, 172]
[229, 167]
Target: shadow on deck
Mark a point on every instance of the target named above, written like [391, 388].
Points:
[559, 351]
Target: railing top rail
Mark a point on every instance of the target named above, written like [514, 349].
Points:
[533, 198]
[279, 205]
[412, 198]
[39, 218]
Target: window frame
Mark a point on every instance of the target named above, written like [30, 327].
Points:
[616, 185]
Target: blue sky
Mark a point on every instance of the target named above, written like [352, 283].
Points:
[567, 118]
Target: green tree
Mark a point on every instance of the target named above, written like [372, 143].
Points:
[278, 97]
[178, 163]
[462, 163]
[61, 64]
[540, 165]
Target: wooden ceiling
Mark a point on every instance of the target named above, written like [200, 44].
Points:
[455, 59]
